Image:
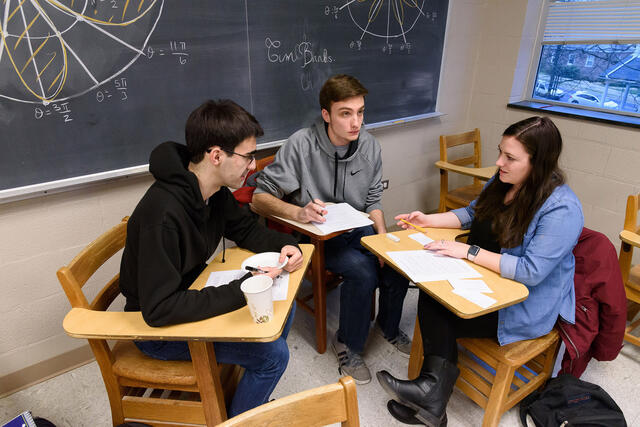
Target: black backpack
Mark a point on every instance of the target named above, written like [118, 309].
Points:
[569, 402]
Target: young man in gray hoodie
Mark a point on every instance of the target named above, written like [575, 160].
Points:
[335, 160]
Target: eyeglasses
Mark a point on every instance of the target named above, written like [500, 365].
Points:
[251, 157]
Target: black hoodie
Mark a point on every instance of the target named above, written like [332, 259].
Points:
[171, 234]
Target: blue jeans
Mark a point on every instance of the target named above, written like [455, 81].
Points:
[344, 255]
[264, 364]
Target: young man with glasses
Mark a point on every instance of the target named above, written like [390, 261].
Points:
[177, 226]
[336, 160]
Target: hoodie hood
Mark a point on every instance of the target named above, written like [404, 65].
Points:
[319, 128]
[168, 164]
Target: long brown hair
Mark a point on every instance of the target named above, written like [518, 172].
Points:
[542, 141]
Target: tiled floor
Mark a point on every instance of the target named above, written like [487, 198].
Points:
[78, 398]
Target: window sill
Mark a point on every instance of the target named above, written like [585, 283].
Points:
[578, 113]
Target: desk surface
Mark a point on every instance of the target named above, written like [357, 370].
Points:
[234, 326]
[507, 292]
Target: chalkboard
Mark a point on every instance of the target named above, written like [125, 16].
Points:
[88, 86]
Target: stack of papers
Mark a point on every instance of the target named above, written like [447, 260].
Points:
[427, 266]
[342, 216]
[474, 291]
[280, 284]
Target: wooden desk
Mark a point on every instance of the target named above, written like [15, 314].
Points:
[484, 174]
[234, 326]
[318, 274]
[506, 292]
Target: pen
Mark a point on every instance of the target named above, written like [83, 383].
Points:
[254, 269]
[422, 230]
[309, 193]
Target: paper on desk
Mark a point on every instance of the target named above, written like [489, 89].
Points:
[477, 298]
[280, 284]
[426, 266]
[342, 216]
[421, 238]
[470, 285]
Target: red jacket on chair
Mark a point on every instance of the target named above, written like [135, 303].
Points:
[601, 305]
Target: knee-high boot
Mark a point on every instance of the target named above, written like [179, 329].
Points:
[428, 394]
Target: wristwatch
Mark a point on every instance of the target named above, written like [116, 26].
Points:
[472, 253]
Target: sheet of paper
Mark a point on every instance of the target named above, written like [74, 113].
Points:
[280, 284]
[219, 278]
[421, 238]
[470, 285]
[426, 266]
[477, 298]
[342, 216]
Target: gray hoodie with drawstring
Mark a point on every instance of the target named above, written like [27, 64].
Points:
[308, 165]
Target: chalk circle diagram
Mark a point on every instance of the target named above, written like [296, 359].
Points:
[55, 50]
[385, 18]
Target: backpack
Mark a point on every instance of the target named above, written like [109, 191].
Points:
[569, 402]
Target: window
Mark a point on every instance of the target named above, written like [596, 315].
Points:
[589, 61]
[590, 55]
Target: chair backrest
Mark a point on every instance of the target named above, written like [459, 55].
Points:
[630, 225]
[74, 276]
[320, 406]
[471, 137]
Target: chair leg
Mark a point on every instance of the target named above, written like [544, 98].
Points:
[319, 296]
[208, 377]
[114, 390]
[498, 395]
[416, 356]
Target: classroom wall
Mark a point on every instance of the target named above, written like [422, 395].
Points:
[481, 56]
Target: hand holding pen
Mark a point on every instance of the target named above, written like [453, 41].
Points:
[313, 211]
[272, 272]
[415, 219]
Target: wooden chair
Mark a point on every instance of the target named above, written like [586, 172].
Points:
[316, 407]
[492, 375]
[139, 387]
[462, 196]
[630, 237]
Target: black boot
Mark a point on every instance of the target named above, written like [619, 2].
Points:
[428, 394]
[402, 413]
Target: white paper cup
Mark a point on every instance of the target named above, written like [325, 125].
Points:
[257, 292]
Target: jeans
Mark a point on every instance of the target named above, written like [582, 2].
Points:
[264, 364]
[344, 255]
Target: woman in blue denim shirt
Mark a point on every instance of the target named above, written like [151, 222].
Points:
[524, 226]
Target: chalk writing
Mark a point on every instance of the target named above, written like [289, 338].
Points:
[302, 52]
[62, 108]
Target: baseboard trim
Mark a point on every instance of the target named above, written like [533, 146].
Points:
[45, 370]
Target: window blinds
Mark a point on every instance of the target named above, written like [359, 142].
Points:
[597, 22]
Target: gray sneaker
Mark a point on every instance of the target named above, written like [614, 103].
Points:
[351, 363]
[400, 341]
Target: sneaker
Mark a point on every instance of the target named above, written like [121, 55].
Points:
[400, 341]
[351, 363]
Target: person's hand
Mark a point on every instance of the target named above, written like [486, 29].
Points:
[448, 248]
[295, 258]
[272, 272]
[381, 261]
[415, 217]
[312, 212]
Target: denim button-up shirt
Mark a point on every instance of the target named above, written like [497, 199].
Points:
[544, 263]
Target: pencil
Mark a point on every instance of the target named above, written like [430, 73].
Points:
[417, 227]
[312, 200]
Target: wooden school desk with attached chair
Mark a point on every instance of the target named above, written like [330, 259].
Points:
[490, 374]
[180, 392]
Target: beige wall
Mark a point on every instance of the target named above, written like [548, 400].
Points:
[484, 38]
